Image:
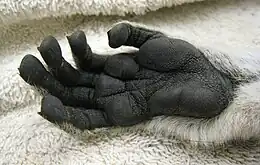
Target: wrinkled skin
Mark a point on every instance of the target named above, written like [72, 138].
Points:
[165, 76]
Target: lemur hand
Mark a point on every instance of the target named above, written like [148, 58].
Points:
[166, 76]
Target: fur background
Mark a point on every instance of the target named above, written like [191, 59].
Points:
[228, 31]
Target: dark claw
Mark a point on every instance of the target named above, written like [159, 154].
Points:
[31, 70]
[51, 52]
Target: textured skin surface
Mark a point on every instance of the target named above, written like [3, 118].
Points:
[27, 138]
[166, 76]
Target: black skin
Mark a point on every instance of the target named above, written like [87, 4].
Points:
[165, 76]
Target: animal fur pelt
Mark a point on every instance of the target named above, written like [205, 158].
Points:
[15, 11]
[227, 31]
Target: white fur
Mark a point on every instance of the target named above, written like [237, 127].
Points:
[14, 11]
[227, 31]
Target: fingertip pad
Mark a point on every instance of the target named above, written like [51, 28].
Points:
[52, 109]
[32, 70]
[78, 43]
[118, 35]
[51, 52]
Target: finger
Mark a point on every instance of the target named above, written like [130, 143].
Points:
[128, 35]
[156, 51]
[122, 66]
[51, 53]
[33, 72]
[54, 111]
[83, 56]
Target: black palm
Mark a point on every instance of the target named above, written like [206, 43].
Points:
[165, 76]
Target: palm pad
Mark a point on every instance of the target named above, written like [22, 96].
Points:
[165, 76]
